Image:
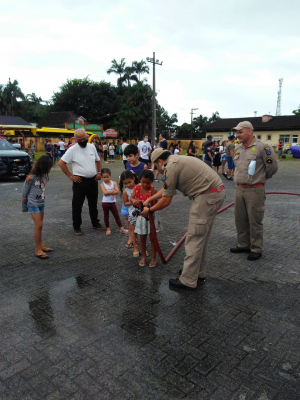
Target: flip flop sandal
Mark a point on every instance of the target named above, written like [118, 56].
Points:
[141, 264]
[125, 232]
[129, 246]
[49, 250]
[153, 264]
[108, 233]
[41, 256]
[137, 254]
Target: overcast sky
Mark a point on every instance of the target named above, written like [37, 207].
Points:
[217, 55]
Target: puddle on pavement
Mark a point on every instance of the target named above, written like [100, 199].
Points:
[42, 309]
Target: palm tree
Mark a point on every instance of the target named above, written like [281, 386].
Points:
[117, 68]
[140, 68]
[32, 98]
[12, 92]
[127, 77]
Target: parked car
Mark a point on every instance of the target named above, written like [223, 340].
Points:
[13, 162]
[288, 150]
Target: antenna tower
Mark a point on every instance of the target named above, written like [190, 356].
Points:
[278, 108]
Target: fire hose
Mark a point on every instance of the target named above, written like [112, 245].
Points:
[179, 243]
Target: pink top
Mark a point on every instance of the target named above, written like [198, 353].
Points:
[139, 195]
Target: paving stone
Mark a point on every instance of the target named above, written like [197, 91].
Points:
[90, 323]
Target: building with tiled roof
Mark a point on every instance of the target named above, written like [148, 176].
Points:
[267, 128]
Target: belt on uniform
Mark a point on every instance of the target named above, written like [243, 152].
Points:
[250, 186]
[214, 190]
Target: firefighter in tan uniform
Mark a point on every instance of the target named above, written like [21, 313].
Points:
[204, 187]
[255, 162]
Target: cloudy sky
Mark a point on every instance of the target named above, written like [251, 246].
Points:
[217, 55]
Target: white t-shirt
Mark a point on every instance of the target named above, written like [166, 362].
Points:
[82, 159]
[144, 148]
[124, 145]
[176, 151]
[61, 145]
[111, 150]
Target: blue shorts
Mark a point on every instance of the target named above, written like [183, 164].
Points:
[230, 163]
[36, 210]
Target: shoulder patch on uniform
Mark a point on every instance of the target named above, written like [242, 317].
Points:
[164, 175]
[269, 160]
[252, 150]
[165, 185]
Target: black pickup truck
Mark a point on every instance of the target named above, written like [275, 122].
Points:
[13, 162]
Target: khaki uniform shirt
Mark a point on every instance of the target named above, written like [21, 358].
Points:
[266, 164]
[229, 146]
[189, 175]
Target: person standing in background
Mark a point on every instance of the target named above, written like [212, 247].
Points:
[280, 148]
[86, 172]
[164, 145]
[255, 162]
[62, 147]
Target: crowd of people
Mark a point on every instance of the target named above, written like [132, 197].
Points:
[200, 181]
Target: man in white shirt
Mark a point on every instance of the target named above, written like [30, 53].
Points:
[145, 149]
[86, 167]
[124, 145]
[62, 147]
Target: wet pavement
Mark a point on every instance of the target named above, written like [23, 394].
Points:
[89, 323]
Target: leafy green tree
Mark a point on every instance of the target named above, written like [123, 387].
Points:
[184, 131]
[165, 123]
[215, 116]
[141, 94]
[32, 98]
[93, 100]
[198, 124]
[140, 67]
[297, 111]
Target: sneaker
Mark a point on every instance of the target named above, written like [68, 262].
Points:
[224, 174]
[230, 178]
[99, 227]
[156, 180]
[78, 231]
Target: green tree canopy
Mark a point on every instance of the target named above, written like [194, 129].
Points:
[297, 111]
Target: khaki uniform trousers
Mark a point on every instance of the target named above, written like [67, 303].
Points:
[203, 211]
[249, 207]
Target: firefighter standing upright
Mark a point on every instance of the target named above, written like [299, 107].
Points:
[255, 162]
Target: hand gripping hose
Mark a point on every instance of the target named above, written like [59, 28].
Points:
[172, 252]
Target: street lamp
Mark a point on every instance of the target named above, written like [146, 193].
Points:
[192, 112]
[153, 61]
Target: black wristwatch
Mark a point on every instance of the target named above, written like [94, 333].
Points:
[150, 212]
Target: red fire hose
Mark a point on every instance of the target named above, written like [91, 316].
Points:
[158, 249]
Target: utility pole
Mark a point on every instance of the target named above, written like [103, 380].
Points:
[192, 112]
[278, 108]
[255, 112]
[153, 61]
